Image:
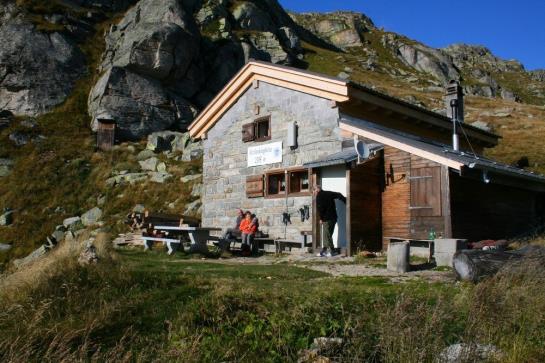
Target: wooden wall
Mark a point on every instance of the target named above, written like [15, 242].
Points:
[491, 211]
[366, 182]
[412, 200]
[396, 196]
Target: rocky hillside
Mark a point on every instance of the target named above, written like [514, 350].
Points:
[152, 65]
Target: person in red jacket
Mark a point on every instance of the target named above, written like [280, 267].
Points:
[248, 229]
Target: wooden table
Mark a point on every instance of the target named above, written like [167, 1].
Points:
[198, 236]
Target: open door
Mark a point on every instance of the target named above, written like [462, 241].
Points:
[333, 178]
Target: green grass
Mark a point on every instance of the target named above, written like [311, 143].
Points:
[152, 307]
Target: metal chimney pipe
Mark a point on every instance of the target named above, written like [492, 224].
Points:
[455, 139]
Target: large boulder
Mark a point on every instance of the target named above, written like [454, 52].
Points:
[73, 224]
[91, 217]
[139, 104]
[38, 70]
[151, 66]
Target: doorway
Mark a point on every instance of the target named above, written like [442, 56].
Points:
[365, 205]
[333, 178]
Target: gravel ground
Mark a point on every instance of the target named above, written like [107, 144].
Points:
[339, 266]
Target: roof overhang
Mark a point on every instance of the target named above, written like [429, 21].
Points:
[318, 85]
[368, 96]
[466, 165]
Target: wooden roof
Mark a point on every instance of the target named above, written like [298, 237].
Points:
[331, 88]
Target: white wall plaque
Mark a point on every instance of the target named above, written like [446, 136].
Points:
[265, 154]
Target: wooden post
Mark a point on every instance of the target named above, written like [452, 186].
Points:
[348, 215]
[445, 201]
[315, 221]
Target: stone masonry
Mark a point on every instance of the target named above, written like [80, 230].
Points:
[225, 156]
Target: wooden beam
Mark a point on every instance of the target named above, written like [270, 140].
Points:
[445, 201]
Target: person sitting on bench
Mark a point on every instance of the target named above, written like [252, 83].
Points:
[233, 233]
[248, 229]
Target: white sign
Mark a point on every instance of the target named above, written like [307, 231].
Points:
[265, 154]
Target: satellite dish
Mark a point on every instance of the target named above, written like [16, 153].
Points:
[362, 149]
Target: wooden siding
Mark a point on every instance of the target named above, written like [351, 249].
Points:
[366, 183]
[492, 211]
[396, 216]
[398, 219]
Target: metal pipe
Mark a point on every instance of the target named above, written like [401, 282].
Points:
[455, 139]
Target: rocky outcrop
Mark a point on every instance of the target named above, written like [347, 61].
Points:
[538, 75]
[479, 57]
[151, 68]
[37, 70]
[422, 58]
[167, 58]
[341, 29]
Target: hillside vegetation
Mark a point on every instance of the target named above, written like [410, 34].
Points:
[143, 307]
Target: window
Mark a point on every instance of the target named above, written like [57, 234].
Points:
[276, 184]
[298, 181]
[259, 130]
[263, 128]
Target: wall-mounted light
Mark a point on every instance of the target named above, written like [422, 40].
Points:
[486, 178]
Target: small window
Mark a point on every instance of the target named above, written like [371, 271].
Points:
[263, 129]
[299, 181]
[276, 184]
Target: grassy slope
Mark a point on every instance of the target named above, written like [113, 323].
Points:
[144, 307]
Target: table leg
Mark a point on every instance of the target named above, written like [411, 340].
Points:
[148, 245]
[198, 241]
[173, 247]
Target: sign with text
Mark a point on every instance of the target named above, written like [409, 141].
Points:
[265, 154]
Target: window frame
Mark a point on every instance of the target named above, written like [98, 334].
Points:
[259, 120]
[287, 176]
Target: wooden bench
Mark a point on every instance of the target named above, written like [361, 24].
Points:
[172, 244]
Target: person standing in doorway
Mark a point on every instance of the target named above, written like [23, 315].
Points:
[325, 203]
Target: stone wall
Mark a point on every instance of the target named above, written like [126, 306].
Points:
[225, 156]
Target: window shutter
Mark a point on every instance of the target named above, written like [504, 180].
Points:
[248, 132]
[254, 186]
[426, 191]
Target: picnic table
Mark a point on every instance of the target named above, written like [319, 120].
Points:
[198, 236]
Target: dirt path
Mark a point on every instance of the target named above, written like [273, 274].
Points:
[336, 266]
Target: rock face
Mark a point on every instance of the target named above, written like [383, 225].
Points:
[167, 58]
[425, 59]
[538, 75]
[91, 217]
[342, 29]
[37, 70]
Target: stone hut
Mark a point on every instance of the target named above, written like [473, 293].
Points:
[274, 131]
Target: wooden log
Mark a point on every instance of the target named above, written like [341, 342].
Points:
[474, 265]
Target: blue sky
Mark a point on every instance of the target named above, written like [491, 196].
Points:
[511, 29]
